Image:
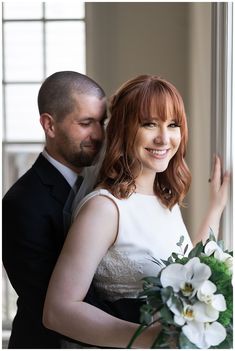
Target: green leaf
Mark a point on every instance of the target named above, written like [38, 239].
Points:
[155, 301]
[152, 280]
[177, 302]
[185, 343]
[166, 263]
[159, 262]
[229, 252]
[185, 249]
[159, 342]
[146, 313]
[221, 244]
[180, 241]
[196, 251]
[166, 293]
[137, 333]
[166, 314]
[174, 255]
[211, 235]
[170, 260]
[148, 291]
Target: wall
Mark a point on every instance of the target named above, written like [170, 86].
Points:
[126, 39]
[168, 39]
[200, 109]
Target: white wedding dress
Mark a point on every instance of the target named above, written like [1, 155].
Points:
[146, 229]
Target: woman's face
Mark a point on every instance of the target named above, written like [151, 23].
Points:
[156, 143]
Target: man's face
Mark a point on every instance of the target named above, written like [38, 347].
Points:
[79, 136]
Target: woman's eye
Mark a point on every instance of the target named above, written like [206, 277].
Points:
[173, 125]
[149, 125]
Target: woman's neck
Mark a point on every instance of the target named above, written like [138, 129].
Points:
[144, 183]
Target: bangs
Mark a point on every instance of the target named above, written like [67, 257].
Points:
[161, 101]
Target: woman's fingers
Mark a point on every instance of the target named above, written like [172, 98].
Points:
[216, 174]
[219, 185]
[225, 186]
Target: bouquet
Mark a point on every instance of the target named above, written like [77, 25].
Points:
[191, 297]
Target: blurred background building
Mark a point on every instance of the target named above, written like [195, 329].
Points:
[189, 44]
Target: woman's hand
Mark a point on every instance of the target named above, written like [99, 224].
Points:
[219, 185]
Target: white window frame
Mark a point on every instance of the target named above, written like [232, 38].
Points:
[222, 127]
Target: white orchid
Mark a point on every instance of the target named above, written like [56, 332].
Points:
[204, 335]
[213, 248]
[181, 316]
[206, 294]
[199, 312]
[189, 313]
[204, 312]
[185, 278]
[195, 298]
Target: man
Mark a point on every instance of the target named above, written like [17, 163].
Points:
[72, 111]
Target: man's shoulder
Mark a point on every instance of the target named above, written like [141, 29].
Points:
[37, 178]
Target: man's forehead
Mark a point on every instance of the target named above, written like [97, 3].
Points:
[79, 96]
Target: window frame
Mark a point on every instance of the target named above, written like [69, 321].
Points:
[222, 127]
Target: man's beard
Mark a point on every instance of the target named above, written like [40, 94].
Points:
[86, 158]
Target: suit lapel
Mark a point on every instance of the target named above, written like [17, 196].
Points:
[52, 178]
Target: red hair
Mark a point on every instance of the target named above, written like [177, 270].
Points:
[132, 104]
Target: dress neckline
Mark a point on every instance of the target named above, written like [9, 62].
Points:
[136, 193]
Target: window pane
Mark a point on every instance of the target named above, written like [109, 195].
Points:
[22, 116]
[8, 299]
[23, 51]
[65, 46]
[64, 9]
[18, 159]
[22, 10]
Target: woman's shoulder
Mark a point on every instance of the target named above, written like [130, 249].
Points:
[98, 195]
[100, 200]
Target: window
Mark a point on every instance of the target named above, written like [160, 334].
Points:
[39, 38]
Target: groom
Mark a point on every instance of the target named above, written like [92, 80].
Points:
[72, 110]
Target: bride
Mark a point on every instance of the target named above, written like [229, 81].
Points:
[131, 216]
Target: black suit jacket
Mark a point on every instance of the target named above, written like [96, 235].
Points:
[33, 235]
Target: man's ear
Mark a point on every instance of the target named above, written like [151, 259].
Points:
[48, 124]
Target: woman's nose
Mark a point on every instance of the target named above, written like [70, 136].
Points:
[162, 137]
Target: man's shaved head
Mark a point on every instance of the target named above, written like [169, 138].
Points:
[56, 94]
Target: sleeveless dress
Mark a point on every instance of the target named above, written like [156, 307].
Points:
[147, 229]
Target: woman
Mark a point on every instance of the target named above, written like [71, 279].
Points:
[133, 215]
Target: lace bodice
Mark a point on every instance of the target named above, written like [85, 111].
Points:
[146, 229]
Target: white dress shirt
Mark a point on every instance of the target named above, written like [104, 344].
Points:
[67, 173]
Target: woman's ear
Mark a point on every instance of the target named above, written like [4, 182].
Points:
[48, 124]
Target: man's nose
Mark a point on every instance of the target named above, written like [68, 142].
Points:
[97, 132]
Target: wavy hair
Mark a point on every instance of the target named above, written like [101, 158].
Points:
[129, 107]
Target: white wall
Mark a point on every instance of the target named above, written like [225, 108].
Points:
[169, 39]
[126, 39]
[200, 109]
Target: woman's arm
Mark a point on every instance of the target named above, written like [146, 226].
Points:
[92, 233]
[219, 185]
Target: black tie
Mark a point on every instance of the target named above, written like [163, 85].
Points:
[77, 184]
[67, 213]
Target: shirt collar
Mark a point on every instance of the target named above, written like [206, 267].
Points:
[67, 173]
